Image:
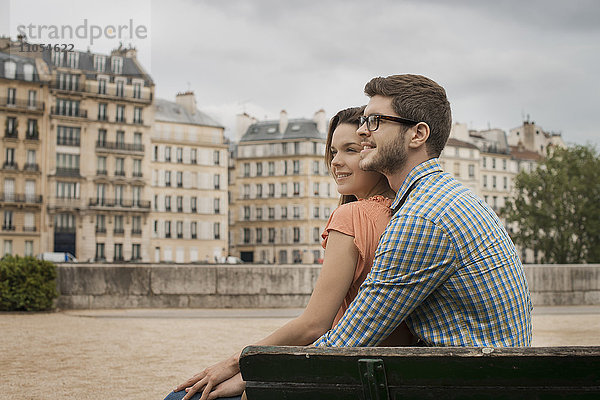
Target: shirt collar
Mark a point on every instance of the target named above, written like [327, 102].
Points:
[425, 168]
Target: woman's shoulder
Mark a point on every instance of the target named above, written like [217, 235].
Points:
[378, 204]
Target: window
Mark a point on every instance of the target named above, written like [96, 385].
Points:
[101, 137]
[316, 212]
[136, 251]
[296, 188]
[296, 167]
[484, 162]
[494, 182]
[167, 229]
[193, 204]
[246, 191]
[296, 234]
[246, 235]
[32, 99]
[316, 188]
[31, 160]
[136, 225]
[99, 63]
[119, 227]
[137, 90]
[179, 202]
[119, 166]
[69, 108]
[179, 178]
[167, 178]
[284, 189]
[100, 193]
[117, 65]
[271, 211]
[167, 203]
[504, 164]
[57, 57]
[100, 223]
[216, 157]
[217, 230]
[315, 167]
[471, 171]
[137, 167]
[8, 224]
[271, 190]
[271, 235]
[259, 213]
[179, 228]
[284, 213]
[246, 213]
[246, 169]
[73, 59]
[271, 166]
[259, 192]
[258, 169]
[485, 181]
[9, 156]
[102, 114]
[68, 136]
[8, 247]
[194, 230]
[193, 156]
[296, 212]
[101, 86]
[120, 113]
[258, 235]
[217, 181]
[493, 163]
[137, 115]
[217, 205]
[67, 161]
[100, 256]
[155, 153]
[118, 252]
[28, 248]
[505, 182]
[28, 72]
[316, 235]
[10, 69]
[67, 190]
[11, 96]
[284, 148]
[68, 82]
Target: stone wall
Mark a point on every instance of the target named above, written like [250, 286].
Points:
[93, 286]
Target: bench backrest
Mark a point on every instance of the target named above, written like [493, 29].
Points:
[310, 373]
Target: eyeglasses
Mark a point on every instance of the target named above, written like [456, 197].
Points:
[372, 121]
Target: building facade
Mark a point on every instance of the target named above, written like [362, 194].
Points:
[281, 191]
[22, 152]
[189, 184]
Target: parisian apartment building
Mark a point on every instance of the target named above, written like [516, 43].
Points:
[189, 164]
[281, 192]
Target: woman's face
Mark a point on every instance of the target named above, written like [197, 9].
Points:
[345, 149]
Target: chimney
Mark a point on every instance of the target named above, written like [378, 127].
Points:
[187, 101]
[283, 121]
[321, 121]
[242, 123]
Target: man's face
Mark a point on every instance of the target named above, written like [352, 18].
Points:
[384, 149]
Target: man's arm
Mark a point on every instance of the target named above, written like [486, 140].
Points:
[413, 258]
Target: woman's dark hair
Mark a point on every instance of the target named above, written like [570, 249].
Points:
[348, 116]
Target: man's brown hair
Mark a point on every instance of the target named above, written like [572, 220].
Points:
[420, 99]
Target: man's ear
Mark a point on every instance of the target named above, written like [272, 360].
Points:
[420, 134]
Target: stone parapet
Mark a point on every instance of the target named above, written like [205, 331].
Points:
[95, 286]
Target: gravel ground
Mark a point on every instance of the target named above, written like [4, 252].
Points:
[142, 354]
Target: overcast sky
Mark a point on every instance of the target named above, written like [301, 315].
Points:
[499, 61]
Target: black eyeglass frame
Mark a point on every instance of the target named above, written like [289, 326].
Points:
[377, 117]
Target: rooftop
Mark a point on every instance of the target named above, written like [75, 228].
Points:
[296, 129]
[169, 111]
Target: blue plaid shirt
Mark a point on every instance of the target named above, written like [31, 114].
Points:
[446, 266]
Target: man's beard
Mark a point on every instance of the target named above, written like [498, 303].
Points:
[388, 158]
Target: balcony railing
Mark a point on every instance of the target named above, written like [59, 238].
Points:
[77, 113]
[22, 104]
[119, 231]
[21, 198]
[66, 141]
[29, 229]
[32, 135]
[136, 232]
[14, 134]
[100, 230]
[119, 173]
[101, 172]
[119, 146]
[10, 165]
[79, 87]
[101, 202]
[8, 227]
[136, 174]
[138, 121]
[72, 172]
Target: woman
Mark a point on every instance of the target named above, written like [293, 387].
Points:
[350, 240]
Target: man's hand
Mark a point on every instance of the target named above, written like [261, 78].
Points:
[210, 378]
[231, 387]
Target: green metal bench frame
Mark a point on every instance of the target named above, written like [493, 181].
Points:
[379, 373]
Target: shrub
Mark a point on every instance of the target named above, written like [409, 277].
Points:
[26, 284]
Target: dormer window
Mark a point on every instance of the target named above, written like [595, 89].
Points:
[73, 59]
[28, 72]
[117, 65]
[99, 63]
[10, 69]
[271, 130]
[57, 57]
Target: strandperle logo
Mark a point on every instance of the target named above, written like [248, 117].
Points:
[84, 31]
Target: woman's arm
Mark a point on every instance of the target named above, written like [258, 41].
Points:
[337, 273]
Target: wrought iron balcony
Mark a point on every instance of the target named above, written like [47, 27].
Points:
[66, 112]
[21, 198]
[71, 172]
[10, 165]
[123, 203]
[22, 104]
[120, 146]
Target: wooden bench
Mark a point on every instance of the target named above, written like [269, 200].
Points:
[310, 373]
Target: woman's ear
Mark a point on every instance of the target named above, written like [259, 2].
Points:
[420, 134]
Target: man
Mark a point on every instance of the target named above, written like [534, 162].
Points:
[445, 263]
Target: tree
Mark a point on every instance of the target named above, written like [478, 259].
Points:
[557, 207]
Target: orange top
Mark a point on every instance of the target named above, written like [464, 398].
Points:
[365, 220]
